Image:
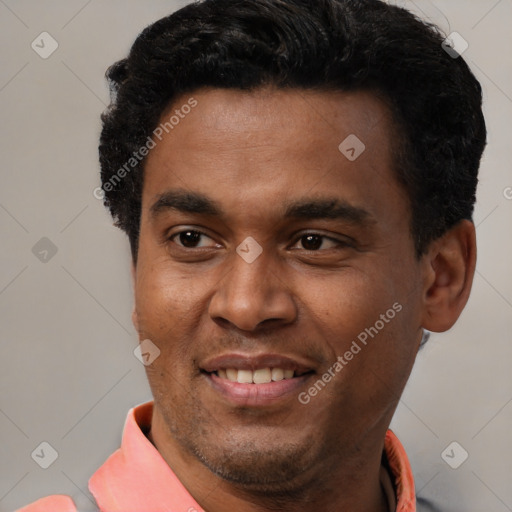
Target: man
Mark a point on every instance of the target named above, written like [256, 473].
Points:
[297, 181]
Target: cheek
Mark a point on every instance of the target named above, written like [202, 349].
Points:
[168, 313]
[348, 302]
[365, 318]
[161, 297]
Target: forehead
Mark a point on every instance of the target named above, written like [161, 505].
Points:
[300, 118]
[266, 145]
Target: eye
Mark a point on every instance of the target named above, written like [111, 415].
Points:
[191, 239]
[315, 242]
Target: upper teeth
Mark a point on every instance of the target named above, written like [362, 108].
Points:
[260, 376]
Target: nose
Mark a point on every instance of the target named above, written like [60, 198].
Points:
[253, 295]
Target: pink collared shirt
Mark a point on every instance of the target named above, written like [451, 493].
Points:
[135, 478]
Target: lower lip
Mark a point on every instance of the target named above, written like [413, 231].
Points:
[255, 395]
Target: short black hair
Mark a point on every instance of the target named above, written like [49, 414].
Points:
[345, 45]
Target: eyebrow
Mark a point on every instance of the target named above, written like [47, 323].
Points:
[328, 208]
[306, 209]
[186, 202]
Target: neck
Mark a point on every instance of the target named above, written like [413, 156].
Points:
[341, 483]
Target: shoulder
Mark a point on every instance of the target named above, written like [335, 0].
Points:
[56, 503]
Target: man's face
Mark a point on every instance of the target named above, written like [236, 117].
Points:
[337, 260]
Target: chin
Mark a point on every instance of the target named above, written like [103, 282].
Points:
[258, 466]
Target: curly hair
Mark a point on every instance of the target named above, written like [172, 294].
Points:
[345, 45]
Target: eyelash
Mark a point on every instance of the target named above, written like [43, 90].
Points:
[339, 243]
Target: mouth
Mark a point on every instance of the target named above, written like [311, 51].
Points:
[256, 380]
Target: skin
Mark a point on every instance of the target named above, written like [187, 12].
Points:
[253, 153]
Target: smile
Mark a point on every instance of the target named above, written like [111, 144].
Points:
[256, 381]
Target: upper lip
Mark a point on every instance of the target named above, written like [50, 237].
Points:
[241, 361]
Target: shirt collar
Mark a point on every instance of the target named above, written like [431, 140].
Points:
[401, 473]
[136, 477]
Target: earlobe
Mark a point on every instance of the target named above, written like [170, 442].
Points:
[450, 269]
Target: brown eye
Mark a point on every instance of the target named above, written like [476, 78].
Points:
[311, 242]
[189, 238]
[318, 242]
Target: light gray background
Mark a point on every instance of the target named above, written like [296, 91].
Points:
[68, 374]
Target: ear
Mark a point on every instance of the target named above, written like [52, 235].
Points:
[450, 267]
[135, 318]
